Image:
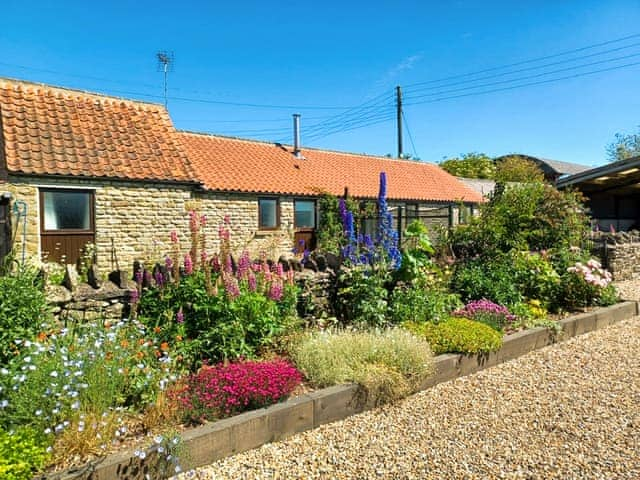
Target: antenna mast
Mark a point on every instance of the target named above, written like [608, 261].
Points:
[165, 65]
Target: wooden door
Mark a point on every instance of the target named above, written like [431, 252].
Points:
[67, 224]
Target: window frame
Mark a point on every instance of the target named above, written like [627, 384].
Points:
[68, 231]
[314, 210]
[277, 225]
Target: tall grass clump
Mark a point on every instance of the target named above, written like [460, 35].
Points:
[387, 365]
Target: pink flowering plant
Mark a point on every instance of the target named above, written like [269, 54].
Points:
[485, 311]
[587, 283]
[222, 307]
[225, 389]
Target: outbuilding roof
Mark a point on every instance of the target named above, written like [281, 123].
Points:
[47, 130]
[239, 165]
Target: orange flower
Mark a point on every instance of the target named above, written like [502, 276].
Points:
[141, 341]
[140, 354]
[179, 338]
[164, 346]
[157, 352]
[108, 356]
[157, 329]
[42, 336]
[124, 343]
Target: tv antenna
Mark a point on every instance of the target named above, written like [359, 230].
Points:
[165, 65]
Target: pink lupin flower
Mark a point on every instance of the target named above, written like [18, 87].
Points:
[174, 236]
[188, 264]
[253, 283]
[275, 291]
[180, 316]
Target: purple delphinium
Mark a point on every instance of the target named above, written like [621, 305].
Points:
[387, 237]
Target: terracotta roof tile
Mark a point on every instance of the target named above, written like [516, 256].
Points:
[55, 131]
[231, 164]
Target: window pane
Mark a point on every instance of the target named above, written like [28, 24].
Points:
[268, 212]
[305, 214]
[67, 210]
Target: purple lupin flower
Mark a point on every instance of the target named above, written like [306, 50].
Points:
[188, 264]
[180, 316]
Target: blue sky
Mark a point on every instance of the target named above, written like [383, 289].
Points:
[341, 54]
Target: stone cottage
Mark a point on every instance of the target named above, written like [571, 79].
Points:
[273, 189]
[88, 168]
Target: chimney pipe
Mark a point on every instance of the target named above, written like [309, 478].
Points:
[296, 135]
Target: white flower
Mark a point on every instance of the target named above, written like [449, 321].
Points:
[4, 371]
[158, 439]
[75, 405]
[4, 403]
[38, 412]
[27, 359]
[54, 374]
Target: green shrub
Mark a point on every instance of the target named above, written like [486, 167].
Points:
[531, 217]
[23, 309]
[458, 335]
[535, 276]
[388, 365]
[22, 453]
[216, 326]
[362, 298]
[418, 303]
[491, 279]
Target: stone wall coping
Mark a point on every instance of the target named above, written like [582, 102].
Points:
[210, 442]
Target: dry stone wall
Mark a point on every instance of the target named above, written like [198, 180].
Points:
[620, 253]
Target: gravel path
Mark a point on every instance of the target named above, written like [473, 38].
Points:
[569, 411]
[629, 289]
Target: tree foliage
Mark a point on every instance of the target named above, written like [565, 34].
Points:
[470, 165]
[624, 146]
[514, 168]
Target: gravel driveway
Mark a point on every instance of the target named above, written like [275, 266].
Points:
[569, 411]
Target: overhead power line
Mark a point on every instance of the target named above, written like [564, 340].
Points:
[524, 62]
[528, 77]
[512, 72]
[527, 84]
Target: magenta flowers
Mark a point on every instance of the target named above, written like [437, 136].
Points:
[222, 390]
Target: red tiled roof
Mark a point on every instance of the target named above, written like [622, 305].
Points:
[56, 131]
[231, 164]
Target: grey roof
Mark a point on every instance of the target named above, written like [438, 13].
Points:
[556, 166]
[612, 172]
[480, 185]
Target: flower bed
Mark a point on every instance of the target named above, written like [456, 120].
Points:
[211, 335]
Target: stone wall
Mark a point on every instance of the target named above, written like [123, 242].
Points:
[136, 218]
[620, 253]
[245, 234]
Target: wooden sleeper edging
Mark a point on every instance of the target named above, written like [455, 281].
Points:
[214, 441]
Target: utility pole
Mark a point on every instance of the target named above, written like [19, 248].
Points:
[399, 119]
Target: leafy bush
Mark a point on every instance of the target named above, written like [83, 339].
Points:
[222, 310]
[23, 308]
[419, 303]
[485, 311]
[530, 217]
[458, 335]
[416, 252]
[362, 298]
[387, 365]
[225, 389]
[535, 276]
[487, 278]
[22, 453]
